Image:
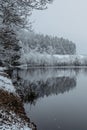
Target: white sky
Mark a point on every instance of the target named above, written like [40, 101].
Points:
[64, 18]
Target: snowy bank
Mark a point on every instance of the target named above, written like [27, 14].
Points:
[2, 69]
[10, 121]
[12, 113]
[5, 82]
[33, 58]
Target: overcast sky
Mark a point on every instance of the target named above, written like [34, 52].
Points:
[64, 18]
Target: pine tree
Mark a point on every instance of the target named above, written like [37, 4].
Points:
[13, 17]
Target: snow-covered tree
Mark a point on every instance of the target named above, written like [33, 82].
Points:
[47, 44]
[13, 17]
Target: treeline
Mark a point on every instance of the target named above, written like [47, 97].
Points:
[14, 16]
[48, 44]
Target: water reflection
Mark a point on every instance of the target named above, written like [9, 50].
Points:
[33, 84]
[55, 106]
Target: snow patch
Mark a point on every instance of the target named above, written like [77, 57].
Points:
[5, 82]
[10, 121]
[2, 68]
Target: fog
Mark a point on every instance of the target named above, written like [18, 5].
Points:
[66, 19]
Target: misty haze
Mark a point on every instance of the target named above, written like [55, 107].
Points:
[43, 65]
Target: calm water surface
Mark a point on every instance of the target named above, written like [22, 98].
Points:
[55, 99]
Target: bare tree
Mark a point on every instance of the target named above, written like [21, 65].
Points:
[13, 17]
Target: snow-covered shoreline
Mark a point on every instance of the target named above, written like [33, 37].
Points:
[9, 119]
[34, 59]
[13, 122]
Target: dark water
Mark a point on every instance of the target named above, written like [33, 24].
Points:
[54, 99]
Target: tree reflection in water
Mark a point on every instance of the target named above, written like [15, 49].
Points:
[33, 84]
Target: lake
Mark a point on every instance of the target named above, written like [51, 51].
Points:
[54, 99]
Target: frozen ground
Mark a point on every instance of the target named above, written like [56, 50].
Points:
[6, 84]
[9, 120]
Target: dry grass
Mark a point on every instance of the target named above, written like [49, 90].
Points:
[12, 103]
